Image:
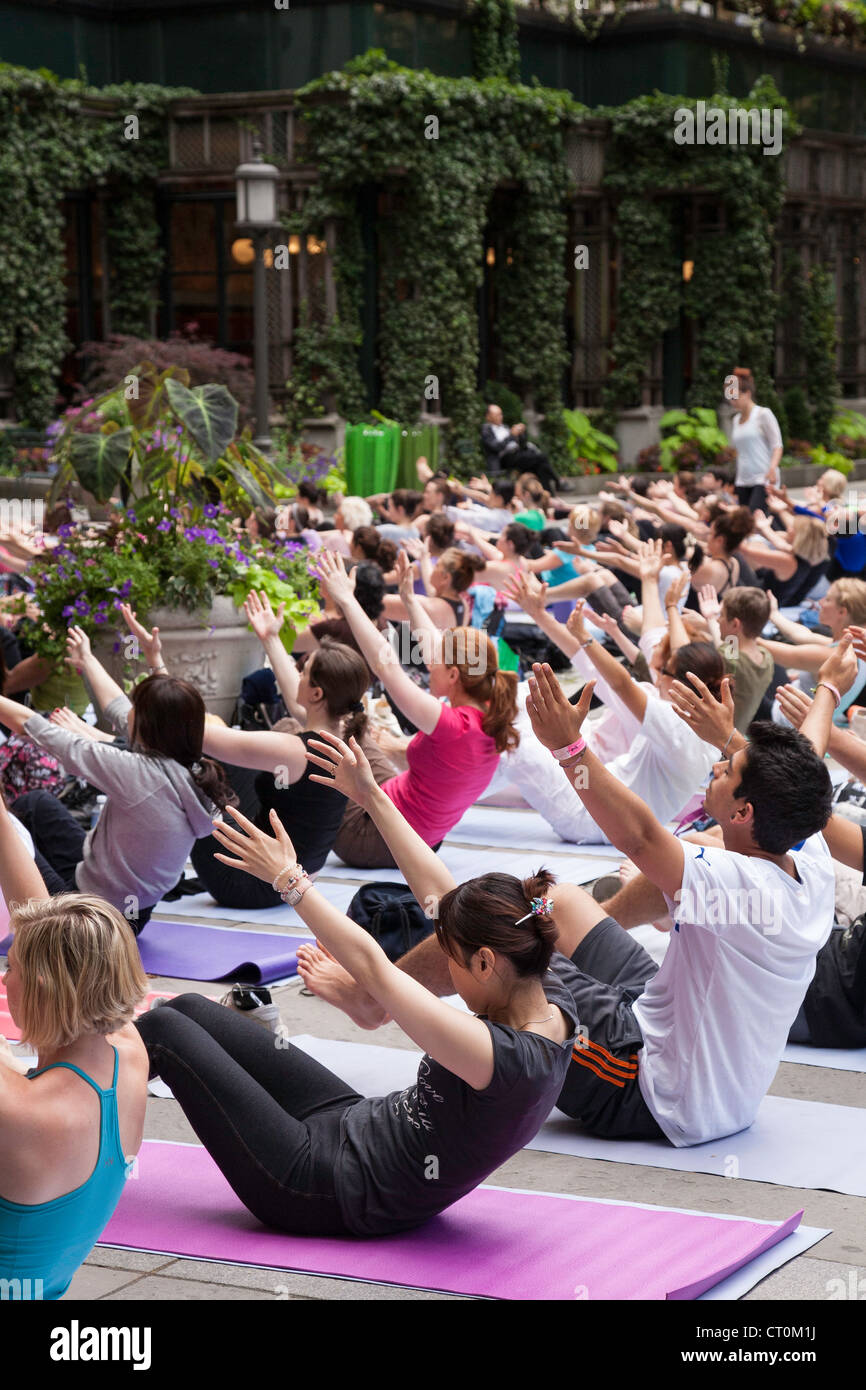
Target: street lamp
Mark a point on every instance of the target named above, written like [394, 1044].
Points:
[256, 185]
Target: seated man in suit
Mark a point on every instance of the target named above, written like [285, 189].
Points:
[508, 449]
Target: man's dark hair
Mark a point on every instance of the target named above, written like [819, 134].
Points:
[676, 536]
[504, 489]
[640, 486]
[788, 786]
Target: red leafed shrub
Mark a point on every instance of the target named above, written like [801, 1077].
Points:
[109, 362]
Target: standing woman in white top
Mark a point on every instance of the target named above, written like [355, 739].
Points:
[758, 441]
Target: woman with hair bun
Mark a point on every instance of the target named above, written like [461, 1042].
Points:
[162, 791]
[326, 696]
[447, 583]
[464, 722]
[73, 981]
[724, 565]
[306, 1153]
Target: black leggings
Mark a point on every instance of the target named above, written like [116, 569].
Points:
[268, 1114]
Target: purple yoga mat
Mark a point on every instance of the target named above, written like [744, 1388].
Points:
[186, 951]
[492, 1244]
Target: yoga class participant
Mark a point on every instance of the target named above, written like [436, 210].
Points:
[326, 696]
[641, 740]
[685, 1051]
[73, 980]
[161, 791]
[302, 1150]
[455, 752]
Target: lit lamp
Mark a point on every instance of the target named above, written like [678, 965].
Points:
[491, 255]
[688, 270]
[256, 189]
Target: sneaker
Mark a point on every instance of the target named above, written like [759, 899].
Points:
[255, 1003]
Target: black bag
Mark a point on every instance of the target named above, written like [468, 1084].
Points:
[835, 1003]
[392, 916]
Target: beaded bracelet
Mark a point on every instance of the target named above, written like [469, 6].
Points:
[293, 870]
[295, 889]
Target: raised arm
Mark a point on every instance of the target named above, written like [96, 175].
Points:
[20, 879]
[676, 627]
[626, 820]
[79, 654]
[805, 657]
[459, 1042]
[651, 563]
[267, 625]
[420, 707]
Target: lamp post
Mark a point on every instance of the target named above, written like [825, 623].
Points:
[256, 186]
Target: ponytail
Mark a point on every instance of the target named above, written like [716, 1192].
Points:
[373, 547]
[211, 781]
[341, 674]
[474, 656]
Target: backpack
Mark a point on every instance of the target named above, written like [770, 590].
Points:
[392, 916]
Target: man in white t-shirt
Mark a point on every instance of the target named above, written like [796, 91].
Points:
[687, 1051]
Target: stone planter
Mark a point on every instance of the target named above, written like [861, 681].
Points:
[213, 654]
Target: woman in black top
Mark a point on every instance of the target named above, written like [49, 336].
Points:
[325, 697]
[791, 566]
[302, 1150]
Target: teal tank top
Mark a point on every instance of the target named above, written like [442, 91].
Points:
[42, 1246]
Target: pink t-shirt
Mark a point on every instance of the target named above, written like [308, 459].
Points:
[448, 770]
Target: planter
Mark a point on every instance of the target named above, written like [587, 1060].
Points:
[213, 654]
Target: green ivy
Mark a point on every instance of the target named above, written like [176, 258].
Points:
[373, 123]
[730, 295]
[495, 47]
[55, 140]
[810, 301]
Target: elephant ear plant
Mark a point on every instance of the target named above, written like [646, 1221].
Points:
[185, 476]
[691, 439]
[160, 439]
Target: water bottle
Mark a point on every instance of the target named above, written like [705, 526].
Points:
[97, 810]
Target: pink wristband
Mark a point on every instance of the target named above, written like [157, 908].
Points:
[571, 750]
[833, 691]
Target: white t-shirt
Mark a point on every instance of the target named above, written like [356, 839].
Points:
[754, 440]
[664, 762]
[715, 1018]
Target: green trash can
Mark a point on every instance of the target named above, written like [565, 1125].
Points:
[372, 459]
[415, 442]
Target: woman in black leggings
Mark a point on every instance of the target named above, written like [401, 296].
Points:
[302, 1150]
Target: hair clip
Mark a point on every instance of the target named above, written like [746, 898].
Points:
[539, 907]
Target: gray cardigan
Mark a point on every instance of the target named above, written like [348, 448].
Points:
[153, 814]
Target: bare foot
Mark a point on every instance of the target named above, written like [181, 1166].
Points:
[327, 979]
[627, 871]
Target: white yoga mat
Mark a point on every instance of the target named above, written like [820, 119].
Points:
[793, 1143]
[203, 905]
[839, 1058]
[494, 825]
[580, 866]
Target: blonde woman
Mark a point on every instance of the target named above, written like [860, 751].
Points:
[73, 981]
[790, 567]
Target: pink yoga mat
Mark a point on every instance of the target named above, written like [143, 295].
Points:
[492, 1244]
[12, 1033]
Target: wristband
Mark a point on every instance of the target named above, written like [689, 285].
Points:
[724, 748]
[571, 750]
[833, 691]
[294, 870]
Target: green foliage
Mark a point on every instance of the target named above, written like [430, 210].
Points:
[823, 458]
[797, 413]
[730, 294]
[588, 445]
[369, 124]
[690, 438]
[166, 443]
[809, 302]
[54, 140]
[495, 49]
[509, 403]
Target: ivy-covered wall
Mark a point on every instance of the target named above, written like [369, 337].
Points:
[51, 145]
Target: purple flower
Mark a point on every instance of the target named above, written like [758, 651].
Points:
[100, 618]
[82, 607]
[68, 611]
[173, 511]
[214, 564]
[280, 575]
[64, 531]
[125, 588]
[130, 516]
[164, 525]
[210, 509]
